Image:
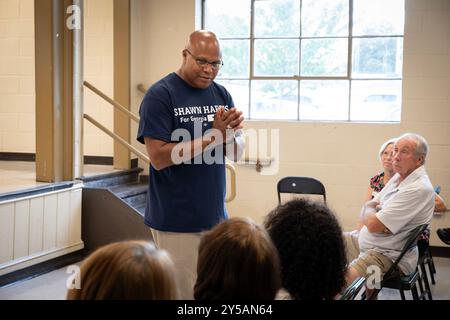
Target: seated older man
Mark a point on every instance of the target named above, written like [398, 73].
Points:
[406, 202]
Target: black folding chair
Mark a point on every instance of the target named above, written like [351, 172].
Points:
[393, 278]
[300, 185]
[426, 259]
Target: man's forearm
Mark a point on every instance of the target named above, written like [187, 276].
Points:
[369, 219]
[171, 154]
[367, 212]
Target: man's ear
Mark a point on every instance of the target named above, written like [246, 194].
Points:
[422, 160]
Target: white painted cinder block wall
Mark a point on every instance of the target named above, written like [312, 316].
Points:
[98, 70]
[159, 32]
[17, 116]
[17, 87]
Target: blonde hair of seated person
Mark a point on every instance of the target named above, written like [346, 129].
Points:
[128, 270]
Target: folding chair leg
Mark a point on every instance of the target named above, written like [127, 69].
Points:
[414, 293]
[402, 294]
[422, 292]
[425, 280]
[431, 261]
[432, 269]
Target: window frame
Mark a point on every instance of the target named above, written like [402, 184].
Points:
[298, 78]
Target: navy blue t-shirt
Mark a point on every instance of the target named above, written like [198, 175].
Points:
[184, 197]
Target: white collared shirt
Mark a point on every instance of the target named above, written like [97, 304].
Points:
[404, 206]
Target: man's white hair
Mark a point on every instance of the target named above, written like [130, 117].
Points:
[421, 149]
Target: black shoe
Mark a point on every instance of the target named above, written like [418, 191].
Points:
[444, 235]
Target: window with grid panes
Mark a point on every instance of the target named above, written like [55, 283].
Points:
[312, 60]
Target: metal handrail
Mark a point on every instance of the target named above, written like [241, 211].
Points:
[141, 88]
[259, 163]
[232, 196]
[111, 101]
[117, 138]
[146, 159]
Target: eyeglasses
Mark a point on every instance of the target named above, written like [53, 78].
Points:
[203, 63]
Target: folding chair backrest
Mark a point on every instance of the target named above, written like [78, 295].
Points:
[410, 243]
[300, 185]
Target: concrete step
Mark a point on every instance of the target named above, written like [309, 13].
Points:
[111, 179]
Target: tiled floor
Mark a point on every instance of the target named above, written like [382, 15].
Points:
[52, 286]
[16, 175]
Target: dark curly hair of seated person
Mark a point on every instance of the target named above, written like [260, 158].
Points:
[311, 249]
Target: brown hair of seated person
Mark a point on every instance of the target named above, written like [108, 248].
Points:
[128, 270]
[237, 260]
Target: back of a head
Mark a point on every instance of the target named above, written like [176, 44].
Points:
[129, 270]
[237, 260]
[311, 248]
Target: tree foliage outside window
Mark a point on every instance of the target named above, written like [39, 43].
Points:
[312, 60]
